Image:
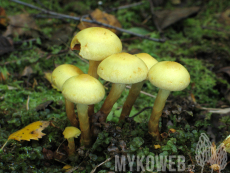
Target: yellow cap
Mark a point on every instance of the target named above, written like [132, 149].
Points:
[62, 73]
[96, 43]
[71, 132]
[83, 89]
[169, 75]
[122, 68]
[148, 60]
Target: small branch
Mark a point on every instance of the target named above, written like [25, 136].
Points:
[4, 144]
[140, 111]
[142, 92]
[86, 20]
[101, 164]
[126, 6]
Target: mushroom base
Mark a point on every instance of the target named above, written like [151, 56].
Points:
[158, 107]
[84, 124]
[71, 146]
[110, 100]
[130, 100]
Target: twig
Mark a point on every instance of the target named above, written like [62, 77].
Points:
[27, 103]
[145, 93]
[141, 111]
[4, 144]
[125, 6]
[101, 164]
[86, 20]
[76, 167]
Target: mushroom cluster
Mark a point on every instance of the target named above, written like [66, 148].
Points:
[103, 49]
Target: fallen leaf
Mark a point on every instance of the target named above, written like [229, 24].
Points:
[19, 25]
[6, 45]
[32, 131]
[3, 17]
[217, 110]
[27, 71]
[44, 105]
[157, 146]
[102, 17]
[225, 70]
[166, 18]
[225, 17]
[67, 168]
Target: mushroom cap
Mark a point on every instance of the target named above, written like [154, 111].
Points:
[71, 132]
[83, 89]
[62, 73]
[96, 43]
[148, 59]
[169, 75]
[122, 68]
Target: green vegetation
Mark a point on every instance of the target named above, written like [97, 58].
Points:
[199, 42]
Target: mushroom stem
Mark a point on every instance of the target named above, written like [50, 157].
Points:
[84, 124]
[158, 107]
[69, 106]
[71, 146]
[111, 99]
[92, 71]
[130, 100]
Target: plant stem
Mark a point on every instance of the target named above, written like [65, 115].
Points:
[92, 72]
[84, 124]
[158, 107]
[130, 100]
[4, 144]
[69, 106]
[93, 68]
[111, 99]
[71, 146]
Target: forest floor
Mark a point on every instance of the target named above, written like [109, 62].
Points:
[35, 39]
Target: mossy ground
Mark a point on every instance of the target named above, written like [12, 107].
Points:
[200, 43]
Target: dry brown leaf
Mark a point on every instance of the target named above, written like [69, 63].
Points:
[225, 70]
[19, 25]
[27, 71]
[166, 18]
[32, 131]
[225, 17]
[102, 17]
[3, 17]
[6, 45]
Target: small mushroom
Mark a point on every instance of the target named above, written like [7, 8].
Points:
[83, 90]
[70, 133]
[58, 77]
[167, 76]
[136, 88]
[120, 69]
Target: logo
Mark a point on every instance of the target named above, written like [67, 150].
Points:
[206, 152]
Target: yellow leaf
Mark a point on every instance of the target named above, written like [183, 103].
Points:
[32, 131]
[157, 146]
